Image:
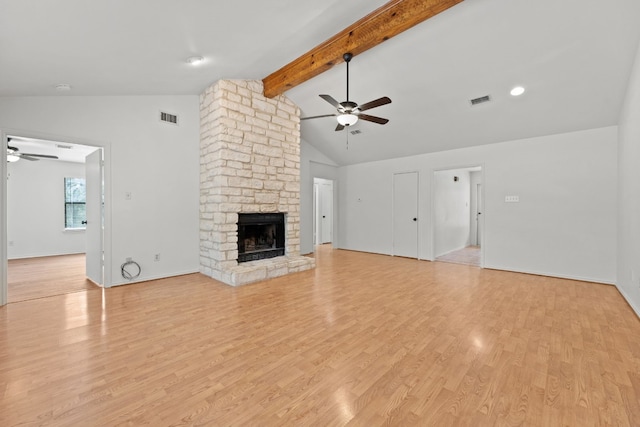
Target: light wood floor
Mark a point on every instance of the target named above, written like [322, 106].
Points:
[469, 256]
[362, 340]
[32, 278]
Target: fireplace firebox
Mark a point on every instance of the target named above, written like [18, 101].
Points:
[260, 236]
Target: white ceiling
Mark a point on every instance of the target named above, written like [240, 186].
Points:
[573, 57]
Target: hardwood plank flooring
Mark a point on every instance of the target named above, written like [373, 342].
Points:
[362, 340]
[469, 255]
[32, 278]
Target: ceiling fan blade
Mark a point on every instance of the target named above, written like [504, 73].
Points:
[373, 119]
[27, 157]
[339, 127]
[44, 156]
[330, 100]
[317, 117]
[376, 103]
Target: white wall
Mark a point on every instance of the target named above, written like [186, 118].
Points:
[452, 201]
[35, 211]
[629, 193]
[564, 225]
[314, 164]
[157, 162]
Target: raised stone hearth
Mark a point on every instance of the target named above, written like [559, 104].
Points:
[249, 163]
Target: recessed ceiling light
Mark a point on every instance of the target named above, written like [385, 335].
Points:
[517, 91]
[195, 60]
[62, 87]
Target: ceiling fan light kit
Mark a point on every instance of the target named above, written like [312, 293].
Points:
[347, 119]
[349, 112]
[11, 157]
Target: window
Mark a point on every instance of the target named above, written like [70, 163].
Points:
[75, 197]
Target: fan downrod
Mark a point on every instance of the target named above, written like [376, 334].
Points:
[347, 58]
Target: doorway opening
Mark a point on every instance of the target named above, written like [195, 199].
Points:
[323, 217]
[458, 215]
[54, 218]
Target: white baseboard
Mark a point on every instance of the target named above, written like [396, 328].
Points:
[633, 306]
[149, 278]
[559, 276]
[43, 255]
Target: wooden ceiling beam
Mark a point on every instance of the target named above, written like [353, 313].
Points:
[385, 22]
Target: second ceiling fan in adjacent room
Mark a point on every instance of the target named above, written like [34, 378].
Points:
[14, 154]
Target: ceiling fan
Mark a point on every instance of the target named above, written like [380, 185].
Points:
[350, 112]
[13, 154]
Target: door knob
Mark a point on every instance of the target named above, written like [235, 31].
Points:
[415, 219]
[323, 216]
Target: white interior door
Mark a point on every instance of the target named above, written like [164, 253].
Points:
[316, 213]
[3, 219]
[326, 210]
[405, 214]
[95, 224]
[479, 214]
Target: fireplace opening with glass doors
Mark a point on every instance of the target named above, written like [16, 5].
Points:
[260, 236]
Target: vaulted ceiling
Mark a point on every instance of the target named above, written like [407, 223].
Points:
[572, 56]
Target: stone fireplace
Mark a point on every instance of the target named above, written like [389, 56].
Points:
[249, 165]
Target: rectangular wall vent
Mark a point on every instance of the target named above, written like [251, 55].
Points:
[480, 100]
[168, 118]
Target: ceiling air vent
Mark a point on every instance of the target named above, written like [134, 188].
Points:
[64, 147]
[356, 132]
[480, 100]
[168, 118]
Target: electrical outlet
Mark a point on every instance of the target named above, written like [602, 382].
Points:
[157, 257]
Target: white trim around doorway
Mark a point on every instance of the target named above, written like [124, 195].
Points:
[107, 243]
[481, 224]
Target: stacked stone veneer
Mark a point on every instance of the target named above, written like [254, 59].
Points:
[249, 162]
